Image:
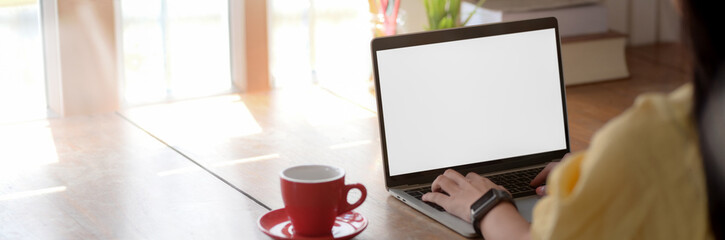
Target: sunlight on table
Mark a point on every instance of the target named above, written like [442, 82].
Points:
[222, 118]
[31, 193]
[217, 165]
[26, 145]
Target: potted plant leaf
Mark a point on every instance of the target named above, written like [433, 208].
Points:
[444, 14]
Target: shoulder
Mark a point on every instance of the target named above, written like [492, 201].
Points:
[655, 136]
[636, 169]
[655, 124]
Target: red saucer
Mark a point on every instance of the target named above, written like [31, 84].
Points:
[277, 225]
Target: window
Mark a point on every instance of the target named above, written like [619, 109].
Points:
[325, 42]
[289, 40]
[175, 49]
[22, 81]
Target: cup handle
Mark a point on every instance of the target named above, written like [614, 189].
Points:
[345, 206]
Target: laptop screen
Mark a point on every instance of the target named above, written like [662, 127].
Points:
[469, 101]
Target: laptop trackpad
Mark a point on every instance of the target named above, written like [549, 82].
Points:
[526, 206]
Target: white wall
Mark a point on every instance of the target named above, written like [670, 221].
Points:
[645, 21]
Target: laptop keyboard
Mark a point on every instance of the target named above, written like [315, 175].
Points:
[517, 183]
[418, 193]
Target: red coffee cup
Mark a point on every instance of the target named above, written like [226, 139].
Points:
[314, 195]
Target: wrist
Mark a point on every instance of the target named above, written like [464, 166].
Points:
[500, 211]
[504, 222]
[484, 205]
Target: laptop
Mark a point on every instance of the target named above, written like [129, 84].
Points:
[487, 99]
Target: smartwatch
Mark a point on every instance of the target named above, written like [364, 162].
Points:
[484, 204]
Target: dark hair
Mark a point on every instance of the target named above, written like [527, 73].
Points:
[704, 37]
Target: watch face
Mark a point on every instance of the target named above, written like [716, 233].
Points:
[489, 200]
[486, 198]
[502, 193]
[484, 204]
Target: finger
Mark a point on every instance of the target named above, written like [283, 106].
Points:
[444, 183]
[541, 191]
[436, 197]
[472, 176]
[541, 177]
[490, 183]
[455, 176]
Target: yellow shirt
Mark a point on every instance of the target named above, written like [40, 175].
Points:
[641, 178]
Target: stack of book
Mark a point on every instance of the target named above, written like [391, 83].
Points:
[591, 52]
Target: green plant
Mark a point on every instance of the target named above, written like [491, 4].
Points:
[444, 14]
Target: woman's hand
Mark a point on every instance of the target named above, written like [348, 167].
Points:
[541, 178]
[462, 192]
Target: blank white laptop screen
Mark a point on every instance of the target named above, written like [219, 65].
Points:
[470, 101]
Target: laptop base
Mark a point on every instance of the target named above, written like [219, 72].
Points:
[525, 205]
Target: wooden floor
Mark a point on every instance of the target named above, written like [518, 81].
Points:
[208, 168]
[657, 68]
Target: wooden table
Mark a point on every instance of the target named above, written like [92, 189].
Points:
[308, 126]
[208, 168]
[248, 139]
[100, 177]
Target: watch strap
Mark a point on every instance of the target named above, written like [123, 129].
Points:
[483, 205]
